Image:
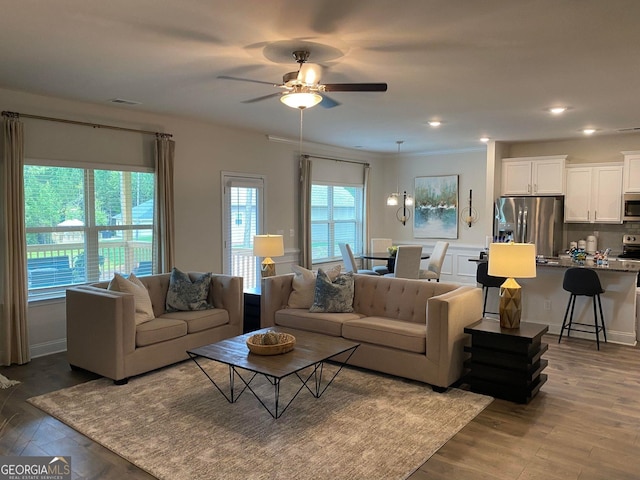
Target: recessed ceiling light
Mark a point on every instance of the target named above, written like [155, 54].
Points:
[589, 131]
[435, 123]
[484, 139]
[557, 110]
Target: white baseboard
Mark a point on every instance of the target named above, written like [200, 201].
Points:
[48, 348]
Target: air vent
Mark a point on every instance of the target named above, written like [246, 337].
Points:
[632, 129]
[122, 101]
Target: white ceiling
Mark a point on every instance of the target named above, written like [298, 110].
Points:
[483, 67]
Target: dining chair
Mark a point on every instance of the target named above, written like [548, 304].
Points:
[407, 262]
[350, 261]
[380, 245]
[432, 272]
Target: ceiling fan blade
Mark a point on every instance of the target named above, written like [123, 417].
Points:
[264, 97]
[355, 87]
[240, 79]
[328, 102]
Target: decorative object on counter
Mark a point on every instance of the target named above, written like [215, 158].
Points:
[392, 250]
[511, 260]
[578, 255]
[602, 257]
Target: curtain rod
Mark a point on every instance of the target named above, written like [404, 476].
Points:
[86, 124]
[364, 164]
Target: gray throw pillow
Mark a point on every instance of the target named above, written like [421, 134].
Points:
[333, 297]
[183, 294]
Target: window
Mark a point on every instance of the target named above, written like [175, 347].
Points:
[336, 217]
[84, 224]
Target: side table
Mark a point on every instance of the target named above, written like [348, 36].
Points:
[251, 310]
[506, 363]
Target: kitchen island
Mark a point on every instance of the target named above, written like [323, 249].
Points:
[545, 301]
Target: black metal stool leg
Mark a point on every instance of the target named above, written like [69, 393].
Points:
[486, 293]
[604, 329]
[595, 321]
[573, 305]
[564, 321]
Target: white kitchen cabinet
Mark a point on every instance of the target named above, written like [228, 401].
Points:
[533, 175]
[593, 194]
[631, 179]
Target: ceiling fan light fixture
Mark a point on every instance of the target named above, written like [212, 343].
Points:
[301, 99]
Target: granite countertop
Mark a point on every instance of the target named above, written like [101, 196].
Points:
[615, 265]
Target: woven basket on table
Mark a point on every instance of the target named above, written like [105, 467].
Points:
[285, 344]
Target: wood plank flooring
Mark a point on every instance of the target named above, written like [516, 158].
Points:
[583, 425]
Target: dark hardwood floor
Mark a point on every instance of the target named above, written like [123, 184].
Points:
[584, 424]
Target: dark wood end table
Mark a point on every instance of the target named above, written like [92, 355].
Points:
[506, 363]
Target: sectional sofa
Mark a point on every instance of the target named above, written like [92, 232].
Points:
[409, 328]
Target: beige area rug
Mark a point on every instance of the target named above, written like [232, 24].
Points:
[174, 424]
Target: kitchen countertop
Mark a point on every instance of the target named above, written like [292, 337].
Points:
[615, 265]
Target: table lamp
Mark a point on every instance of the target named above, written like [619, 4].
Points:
[511, 260]
[268, 246]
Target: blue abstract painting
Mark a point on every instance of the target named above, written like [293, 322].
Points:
[436, 207]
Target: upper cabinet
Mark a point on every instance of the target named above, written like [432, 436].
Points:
[631, 182]
[533, 175]
[593, 194]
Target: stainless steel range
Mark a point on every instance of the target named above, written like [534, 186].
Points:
[630, 247]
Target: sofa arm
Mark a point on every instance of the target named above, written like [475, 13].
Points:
[227, 293]
[101, 329]
[447, 316]
[274, 296]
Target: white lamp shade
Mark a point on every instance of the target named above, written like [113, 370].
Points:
[268, 245]
[512, 260]
[301, 99]
[392, 199]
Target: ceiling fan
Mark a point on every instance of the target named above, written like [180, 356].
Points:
[302, 89]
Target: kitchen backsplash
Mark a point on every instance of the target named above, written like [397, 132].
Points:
[609, 235]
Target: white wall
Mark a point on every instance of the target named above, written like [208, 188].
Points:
[203, 150]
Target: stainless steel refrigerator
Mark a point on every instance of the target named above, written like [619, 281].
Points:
[537, 220]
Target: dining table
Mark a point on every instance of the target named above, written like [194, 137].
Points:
[390, 259]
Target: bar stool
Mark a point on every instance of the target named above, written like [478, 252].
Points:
[583, 282]
[487, 281]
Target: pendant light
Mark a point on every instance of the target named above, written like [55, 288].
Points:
[403, 214]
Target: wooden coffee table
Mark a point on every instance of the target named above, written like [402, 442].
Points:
[311, 350]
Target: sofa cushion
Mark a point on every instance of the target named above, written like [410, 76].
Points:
[387, 332]
[185, 295]
[302, 319]
[200, 320]
[303, 285]
[333, 296]
[142, 301]
[159, 330]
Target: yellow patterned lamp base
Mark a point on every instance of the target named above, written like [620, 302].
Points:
[510, 304]
[268, 268]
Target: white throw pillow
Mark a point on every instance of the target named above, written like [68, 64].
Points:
[304, 285]
[141, 299]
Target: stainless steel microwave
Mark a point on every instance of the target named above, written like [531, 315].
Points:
[631, 207]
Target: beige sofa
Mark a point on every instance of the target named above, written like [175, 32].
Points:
[102, 336]
[409, 328]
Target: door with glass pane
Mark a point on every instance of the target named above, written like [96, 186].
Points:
[243, 218]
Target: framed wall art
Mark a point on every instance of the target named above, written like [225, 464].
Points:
[436, 207]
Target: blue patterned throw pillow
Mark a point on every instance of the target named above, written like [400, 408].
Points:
[184, 294]
[333, 297]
